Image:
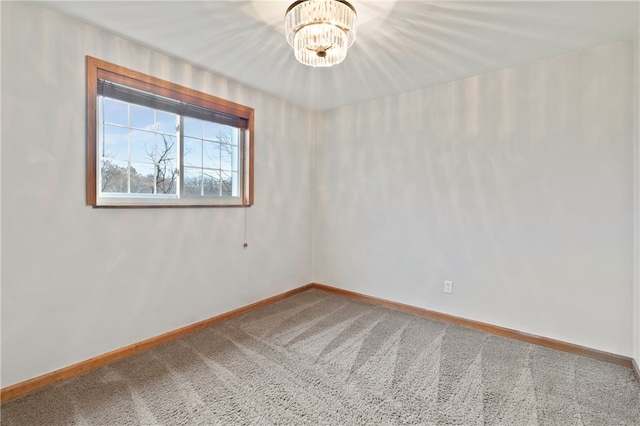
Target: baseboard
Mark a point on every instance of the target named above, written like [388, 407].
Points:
[488, 328]
[23, 388]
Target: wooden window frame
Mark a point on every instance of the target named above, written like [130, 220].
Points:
[101, 70]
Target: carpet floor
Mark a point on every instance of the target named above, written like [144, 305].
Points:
[318, 358]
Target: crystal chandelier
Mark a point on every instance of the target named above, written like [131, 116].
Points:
[320, 31]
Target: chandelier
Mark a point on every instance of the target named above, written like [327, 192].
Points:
[320, 31]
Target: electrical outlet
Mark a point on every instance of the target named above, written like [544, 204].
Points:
[448, 286]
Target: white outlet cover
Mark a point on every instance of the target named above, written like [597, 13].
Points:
[448, 286]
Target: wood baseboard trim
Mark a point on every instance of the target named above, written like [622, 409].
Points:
[488, 328]
[28, 386]
[636, 369]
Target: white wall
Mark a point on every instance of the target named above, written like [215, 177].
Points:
[0, 196]
[78, 282]
[636, 257]
[515, 185]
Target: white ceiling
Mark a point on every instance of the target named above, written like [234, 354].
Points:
[401, 45]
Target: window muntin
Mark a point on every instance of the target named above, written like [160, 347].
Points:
[157, 143]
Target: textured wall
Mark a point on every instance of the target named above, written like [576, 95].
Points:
[77, 281]
[636, 257]
[516, 185]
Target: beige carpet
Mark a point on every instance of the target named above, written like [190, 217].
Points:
[317, 358]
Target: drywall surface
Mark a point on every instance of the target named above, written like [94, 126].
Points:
[78, 282]
[0, 189]
[515, 185]
[636, 214]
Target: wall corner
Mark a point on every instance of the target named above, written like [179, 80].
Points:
[635, 338]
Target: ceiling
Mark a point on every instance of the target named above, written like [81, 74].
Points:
[400, 46]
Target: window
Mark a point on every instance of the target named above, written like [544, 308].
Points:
[155, 143]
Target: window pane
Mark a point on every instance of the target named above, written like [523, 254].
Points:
[142, 117]
[115, 111]
[115, 143]
[235, 184]
[192, 181]
[228, 135]
[166, 178]
[192, 152]
[142, 178]
[166, 150]
[192, 127]
[166, 122]
[229, 157]
[143, 146]
[167, 182]
[114, 176]
[227, 184]
[211, 182]
[211, 131]
[211, 157]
